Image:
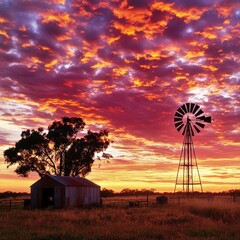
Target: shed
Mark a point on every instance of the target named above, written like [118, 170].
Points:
[64, 192]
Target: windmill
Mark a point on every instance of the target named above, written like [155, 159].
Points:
[188, 120]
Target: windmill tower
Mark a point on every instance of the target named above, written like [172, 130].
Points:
[188, 120]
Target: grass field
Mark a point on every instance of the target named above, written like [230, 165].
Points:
[189, 219]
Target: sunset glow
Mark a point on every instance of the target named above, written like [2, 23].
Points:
[125, 66]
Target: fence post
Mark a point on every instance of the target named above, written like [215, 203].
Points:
[10, 204]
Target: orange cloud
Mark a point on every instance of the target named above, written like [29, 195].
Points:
[188, 15]
[120, 71]
[4, 33]
[161, 6]
[194, 54]
[63, 19]
[50, 65]
[21, 99]
[211, 68]
[102, 64]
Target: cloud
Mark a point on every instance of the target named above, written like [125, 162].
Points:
[127, 66]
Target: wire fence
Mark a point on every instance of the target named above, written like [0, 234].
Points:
[8, 204]
[151, 200]
[123, 201]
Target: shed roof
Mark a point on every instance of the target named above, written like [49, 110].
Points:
[72, 181]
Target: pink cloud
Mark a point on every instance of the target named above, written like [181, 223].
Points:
[126, 66]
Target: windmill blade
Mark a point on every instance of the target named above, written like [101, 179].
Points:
[196, 108]
[178, 115]
[208, 119]
[181, 111]
[184, 108]
[205, 119]
[191, 107]
[188, 107]
[177, 119]
[197, 129]
[200, 124]
[199, 112]
[201, 118]
[180, 127]
[178, 123]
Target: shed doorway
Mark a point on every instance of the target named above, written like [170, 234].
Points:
[48, 197]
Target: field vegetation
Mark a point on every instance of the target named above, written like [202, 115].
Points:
[193, 218]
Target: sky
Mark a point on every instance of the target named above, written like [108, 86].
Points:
[125, 66]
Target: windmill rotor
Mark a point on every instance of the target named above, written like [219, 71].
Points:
[196, 116]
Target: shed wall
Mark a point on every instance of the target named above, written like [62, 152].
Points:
[59, 197]
[36, 196]
[81, 196]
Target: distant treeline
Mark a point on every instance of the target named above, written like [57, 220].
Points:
[137, 192]
[10, 194]
[128, 192]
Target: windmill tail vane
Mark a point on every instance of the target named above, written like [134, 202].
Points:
[188, 120]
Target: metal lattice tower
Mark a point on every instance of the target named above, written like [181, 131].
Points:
[189, 118]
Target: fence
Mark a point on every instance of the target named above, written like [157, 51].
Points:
[151, 200]
[14, 203]
[137, 200]
[147, 200]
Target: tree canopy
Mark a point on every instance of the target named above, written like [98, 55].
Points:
[58, 150]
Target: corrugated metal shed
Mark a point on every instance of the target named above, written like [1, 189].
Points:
[74, 181]
[64, 192]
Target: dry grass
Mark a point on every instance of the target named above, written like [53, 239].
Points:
[190, 219]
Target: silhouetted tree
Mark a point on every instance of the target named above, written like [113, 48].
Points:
[107, 192]
[57, 151]
[10, 194]
[234, 192]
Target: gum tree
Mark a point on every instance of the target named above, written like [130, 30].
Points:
[59, 150]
